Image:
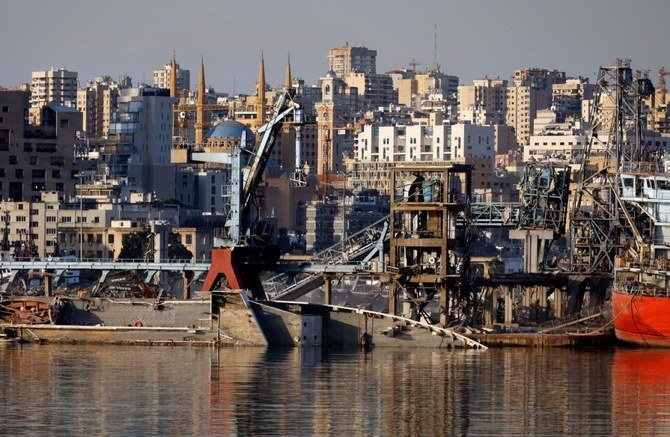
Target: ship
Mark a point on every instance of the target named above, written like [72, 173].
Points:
[641, 287]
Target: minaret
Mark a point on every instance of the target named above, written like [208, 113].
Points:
[173, 76]
[200, 107]
[260, 94]
[288, 74]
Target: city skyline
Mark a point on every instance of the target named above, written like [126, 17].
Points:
[135, 39]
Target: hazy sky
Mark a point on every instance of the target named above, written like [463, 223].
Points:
[475, 38]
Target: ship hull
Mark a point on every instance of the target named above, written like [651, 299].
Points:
[641, 320]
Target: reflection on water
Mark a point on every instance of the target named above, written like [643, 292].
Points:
[194, 391]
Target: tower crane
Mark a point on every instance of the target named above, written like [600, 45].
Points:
[246, 241]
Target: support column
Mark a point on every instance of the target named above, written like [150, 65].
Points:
[187, 276]
[393, 300]
[558, 303]
[542, 303]
[509, 304]
[48, 284]
[526, 299]
[327, 289]
[489, 306]
[444, 306]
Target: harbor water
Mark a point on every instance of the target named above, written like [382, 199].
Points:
[118, 390]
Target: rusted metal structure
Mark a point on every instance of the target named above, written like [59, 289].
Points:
[428, 254]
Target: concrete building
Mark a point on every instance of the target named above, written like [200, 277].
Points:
[377, 146]
[163, 77]
[347, 59]
[54, 86]
[141, 129]
[483, 102]
[566, 98]
[50, 227]
[568, 148]
[97, 102]
[530, 91]
[375, 90]
[36, 158]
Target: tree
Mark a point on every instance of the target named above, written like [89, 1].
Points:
[176, 250]
[134, 245]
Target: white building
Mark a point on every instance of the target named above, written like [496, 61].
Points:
[424, 143]
[163, 76]
[53, 86]
[142, 129]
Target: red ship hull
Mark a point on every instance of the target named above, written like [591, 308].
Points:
[641, 320]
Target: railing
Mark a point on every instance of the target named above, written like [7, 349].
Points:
[644, 167]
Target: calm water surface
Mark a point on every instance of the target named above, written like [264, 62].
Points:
[115, 390]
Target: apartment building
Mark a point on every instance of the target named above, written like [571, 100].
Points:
[567, 98]
[97, 102]
[50, 227]
[483, 102]
[40, 157]
[56, 86]
[347, 59]
[530, 91]
[163, 77]
[378, 146]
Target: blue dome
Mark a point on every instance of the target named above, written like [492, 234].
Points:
[230, 129]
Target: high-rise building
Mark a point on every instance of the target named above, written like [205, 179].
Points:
[531, 90]
[97, 102]
[347, 59]
[36, 158]
[483, 102]
[141, 130]
[53, 86]
[163, 77]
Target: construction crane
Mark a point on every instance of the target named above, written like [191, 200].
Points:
[245, 247]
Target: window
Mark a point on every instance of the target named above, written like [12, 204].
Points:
[189, 239]
[18, 173]
[13, 160]
[110, 238]
[5, 109]
[64, 124]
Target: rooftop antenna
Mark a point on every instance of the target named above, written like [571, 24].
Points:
[436, 67]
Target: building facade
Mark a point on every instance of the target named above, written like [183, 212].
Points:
[141, 131]
[347, 59]
[54, 86]
[36, 158]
